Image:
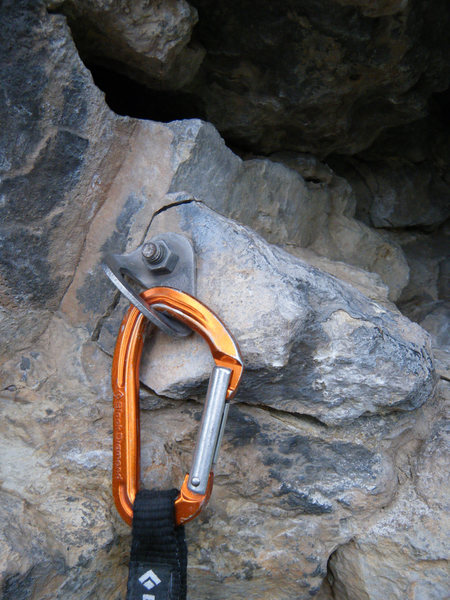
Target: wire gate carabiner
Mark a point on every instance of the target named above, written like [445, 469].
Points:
[226, 375]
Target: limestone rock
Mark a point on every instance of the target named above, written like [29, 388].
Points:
[370, 284]
[320, 178]
[57, 158]
[77, 182]
[426, 297]
[289, 209]
[321, 81]
[146, 40]
[304, 205]
[343, 238]
[405, 553]
[351, 241]
[56, 534]
[428, 256]
[191, 156]
[287, 490]
[315, 335]
[437, 323]
[287, 561]
[398, 193]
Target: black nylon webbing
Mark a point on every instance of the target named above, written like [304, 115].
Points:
[158, 557]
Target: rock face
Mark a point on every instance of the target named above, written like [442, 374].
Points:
[403, 179]
[409, 540]
[315, 336]
[332, 471]
[399, 193]
[56, 162]
[285, 75]
[148, 41]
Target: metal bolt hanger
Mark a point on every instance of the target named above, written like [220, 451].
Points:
[167, 260]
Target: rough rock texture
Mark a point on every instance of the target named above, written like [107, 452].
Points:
[282, 478]
[404, 554]
[291, 211]
[56, 162]
[319, 349]
[294, 74]
[428, 256]
[403, 179]
[398, 193]
[332, 468]
[353, 242]
[148, 41]
[300, 205]
[426, 298]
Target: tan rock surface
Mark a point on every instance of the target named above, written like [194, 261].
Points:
[404, 554]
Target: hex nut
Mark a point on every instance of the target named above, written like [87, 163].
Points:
[168, 258]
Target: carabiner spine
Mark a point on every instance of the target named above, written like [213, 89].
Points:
[126, 419]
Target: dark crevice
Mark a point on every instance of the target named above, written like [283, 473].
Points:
[124, 93]
[280, 414]
[127, 97]
[328, 583]
[98, 327]
[439, 105]
[171, 205]
[249, 62]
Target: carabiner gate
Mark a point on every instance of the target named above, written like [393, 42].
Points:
[197, 485]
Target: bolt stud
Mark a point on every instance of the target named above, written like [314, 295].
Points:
[154, 253]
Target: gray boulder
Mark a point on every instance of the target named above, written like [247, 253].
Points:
[311, 344]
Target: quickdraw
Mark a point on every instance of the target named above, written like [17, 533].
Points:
[165, 265]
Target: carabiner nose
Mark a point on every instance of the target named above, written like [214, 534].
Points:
[224, 380]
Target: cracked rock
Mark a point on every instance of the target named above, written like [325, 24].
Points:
[338, 384]
[311, 343]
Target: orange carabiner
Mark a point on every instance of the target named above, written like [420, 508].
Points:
[197, 485]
